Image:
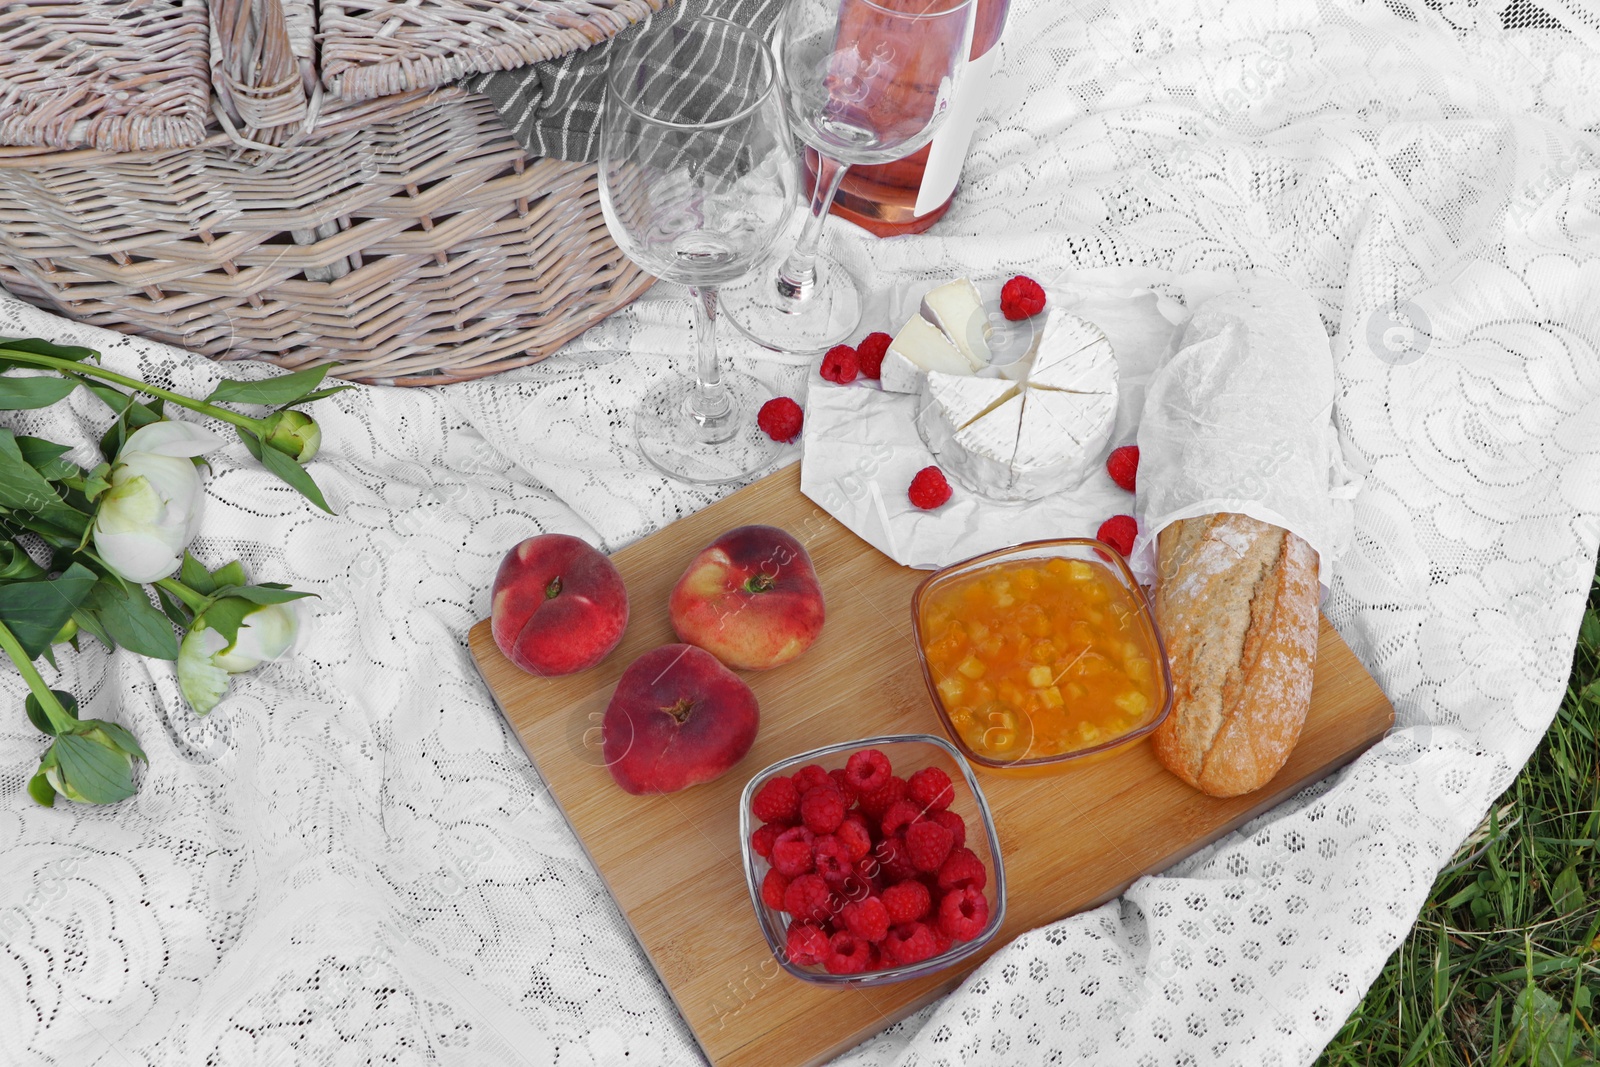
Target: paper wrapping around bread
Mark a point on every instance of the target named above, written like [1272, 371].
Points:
[1239, 419]
[1237, 606]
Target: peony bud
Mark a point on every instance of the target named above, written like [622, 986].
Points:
[206, 659]
[294, 433]
[152, 510]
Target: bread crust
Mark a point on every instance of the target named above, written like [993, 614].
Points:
[1237, 605]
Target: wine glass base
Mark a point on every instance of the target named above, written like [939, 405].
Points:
[691, 449]
[827, 314]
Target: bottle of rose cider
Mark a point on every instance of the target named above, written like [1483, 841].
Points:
[911, 194]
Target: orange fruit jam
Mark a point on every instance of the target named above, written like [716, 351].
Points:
[1039, 658]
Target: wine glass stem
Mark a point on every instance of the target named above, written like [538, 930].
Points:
[797, 277]
[709, 404]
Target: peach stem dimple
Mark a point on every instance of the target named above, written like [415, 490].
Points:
[680, 710]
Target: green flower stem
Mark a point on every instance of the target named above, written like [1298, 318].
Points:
[53, 710]
[73, 368]
[193, 600]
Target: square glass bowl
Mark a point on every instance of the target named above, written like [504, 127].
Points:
[1056, 713]
[907, 753]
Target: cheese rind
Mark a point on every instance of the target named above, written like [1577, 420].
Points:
[919, 347]
[957, 309]
[966, 399]
[979, 454]
[1060, 441]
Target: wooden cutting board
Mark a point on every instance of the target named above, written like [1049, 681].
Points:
[1070, 841]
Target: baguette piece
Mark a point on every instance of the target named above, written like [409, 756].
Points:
[1237, 606]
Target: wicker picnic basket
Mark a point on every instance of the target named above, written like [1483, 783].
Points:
[181, 170]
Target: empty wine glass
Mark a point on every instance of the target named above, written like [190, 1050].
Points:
[696, 181]
[864, 82]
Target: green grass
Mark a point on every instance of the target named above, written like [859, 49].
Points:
[1503, 966]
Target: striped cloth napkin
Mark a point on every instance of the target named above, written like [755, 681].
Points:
[553, 108]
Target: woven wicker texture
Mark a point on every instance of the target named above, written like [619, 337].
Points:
[412, 239]
[407, 237]
[123, 76]
[392, 46]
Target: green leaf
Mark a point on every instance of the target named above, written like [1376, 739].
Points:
[1589, 630]
[16, 563]
[36, 712]
[45, 457]
[40, 789]
[131, 415]
[172, 609]
[1566, 892]
[322, 393]
[229, 574]
[38, 346]
[1591, 693]
[284, 389]
[226, 615]
[265, 593]
[24, 489]
[89, 624]
[1540, 1031]
[294, 474]
[131, 621]
[252, 443]
[36, 610]
[99, 774]
[119, 733]
[194, 575]
[21, 394]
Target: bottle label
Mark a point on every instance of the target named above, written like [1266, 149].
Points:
[948, 149]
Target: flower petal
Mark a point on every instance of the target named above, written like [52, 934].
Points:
[169, 438]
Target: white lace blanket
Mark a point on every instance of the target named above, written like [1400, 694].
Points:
[351, 861]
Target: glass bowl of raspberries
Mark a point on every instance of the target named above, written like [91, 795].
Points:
[872, 861]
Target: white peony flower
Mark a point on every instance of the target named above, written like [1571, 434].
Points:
[206, 659]
[152, 510]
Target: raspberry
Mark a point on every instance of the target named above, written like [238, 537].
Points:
[780, 419]
[849, 954]
[910, 943]
[1021, 298]
[1123, 466]
[954, 823]
[901, 814]
[832, 859]
[763, 837]
[773, 886]
[810, 777]
[963, 870]
[869, 872]
[866, 918]
[777, 801]
[867, 770]
[907, 901]
[822, 809]
[928, 844]
[894, 864]
[806, 944]
[840, 364]
[930, 789]
[791, 852]
[842, 780]
[870, 353]
[808, 897]
[874, 802]
[1119, 531]
[929, 489]
[854, 834]
[962, 913]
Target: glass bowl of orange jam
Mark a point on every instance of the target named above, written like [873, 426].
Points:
[1041, 656]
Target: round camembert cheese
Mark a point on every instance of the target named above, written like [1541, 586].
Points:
[1041, 433]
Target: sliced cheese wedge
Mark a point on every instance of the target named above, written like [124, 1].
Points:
[919, 347]
[966, 399]
[1060, 440]
[957, 309]
[1075, 356]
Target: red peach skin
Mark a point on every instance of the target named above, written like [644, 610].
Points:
[559, 605]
